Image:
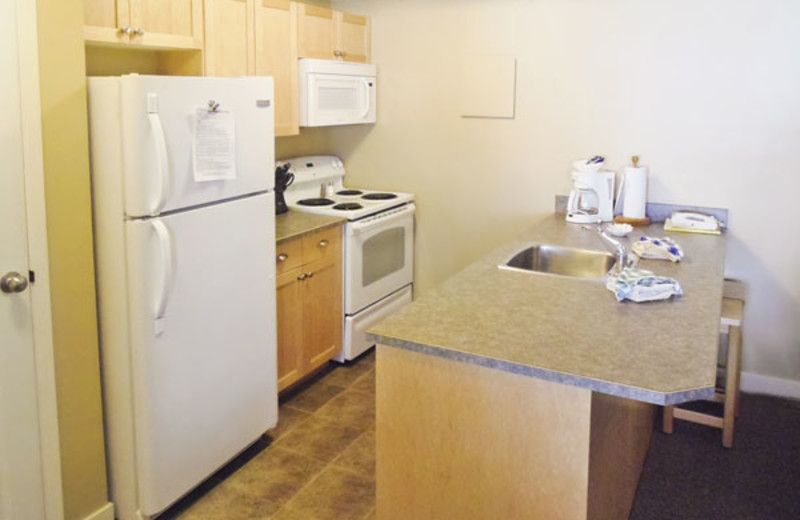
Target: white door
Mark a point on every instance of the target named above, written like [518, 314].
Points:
[21, 484]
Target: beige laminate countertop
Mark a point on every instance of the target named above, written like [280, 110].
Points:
[296, 223]
[571, 330]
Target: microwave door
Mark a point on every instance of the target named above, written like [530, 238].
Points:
[340, 100]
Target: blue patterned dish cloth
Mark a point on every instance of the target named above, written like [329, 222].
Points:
[657, 248]
[639, 285]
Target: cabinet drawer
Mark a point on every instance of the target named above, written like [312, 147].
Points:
[288, 255]
[321, 243]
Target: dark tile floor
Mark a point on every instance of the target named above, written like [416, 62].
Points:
[317, 464]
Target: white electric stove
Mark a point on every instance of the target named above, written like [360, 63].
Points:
[378, 243]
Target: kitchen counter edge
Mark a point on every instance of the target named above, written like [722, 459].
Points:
[293, 224]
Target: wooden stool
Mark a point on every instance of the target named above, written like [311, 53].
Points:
[730, 324]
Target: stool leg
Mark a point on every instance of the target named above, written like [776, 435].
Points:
[737, 404]
[668, 418]
[731, 387]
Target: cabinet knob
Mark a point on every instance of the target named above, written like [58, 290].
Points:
[323, 243]
[282, 257]
[138, 31]
[302, 276]
[309, 275]
[125, 30]
[338, 53]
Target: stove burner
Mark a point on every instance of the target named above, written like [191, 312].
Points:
[315, 202]
[349, 192]
[348, 206]
[379, 196]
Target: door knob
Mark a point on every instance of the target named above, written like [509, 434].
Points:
[13, 282]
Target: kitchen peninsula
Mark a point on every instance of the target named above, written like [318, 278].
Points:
[515, 395]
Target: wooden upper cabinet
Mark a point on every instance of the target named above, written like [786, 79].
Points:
[166, 24]
[327, 34]
[276, 56]
[353, 37]
[316, 32]
[228, 38]
[104, 20]
[256, 38]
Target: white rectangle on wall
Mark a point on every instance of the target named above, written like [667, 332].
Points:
[488, 86]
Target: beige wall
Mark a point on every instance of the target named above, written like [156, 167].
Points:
[706, 92]
[66, 165]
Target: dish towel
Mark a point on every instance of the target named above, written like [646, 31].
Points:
[640, 285]
[657, 248]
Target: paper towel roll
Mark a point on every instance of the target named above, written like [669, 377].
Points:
[634, 192]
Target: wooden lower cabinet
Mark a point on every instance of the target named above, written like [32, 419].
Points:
[309, 300]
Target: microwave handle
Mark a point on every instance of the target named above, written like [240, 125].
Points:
[367, 98]
[357, 228]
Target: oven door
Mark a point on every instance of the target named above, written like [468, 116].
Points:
[378, 257]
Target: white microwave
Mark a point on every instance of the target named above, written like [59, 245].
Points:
[336, 92]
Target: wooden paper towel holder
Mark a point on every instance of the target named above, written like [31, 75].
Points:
[619, 219]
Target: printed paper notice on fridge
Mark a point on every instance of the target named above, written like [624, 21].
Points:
[213, 145]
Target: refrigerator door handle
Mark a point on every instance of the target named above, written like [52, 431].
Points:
[160, 143]
[165, 245]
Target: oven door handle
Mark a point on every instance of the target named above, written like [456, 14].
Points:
[357, 228]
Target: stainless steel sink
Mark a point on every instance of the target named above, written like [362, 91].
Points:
[560, 260]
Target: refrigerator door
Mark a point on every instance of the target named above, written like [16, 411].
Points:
[159, 115]
[204, 377]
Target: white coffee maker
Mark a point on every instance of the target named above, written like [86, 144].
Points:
[592, 197]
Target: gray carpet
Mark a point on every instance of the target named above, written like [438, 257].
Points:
[689, 475]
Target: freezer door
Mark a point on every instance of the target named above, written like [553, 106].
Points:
[202, 319]
[159, 116]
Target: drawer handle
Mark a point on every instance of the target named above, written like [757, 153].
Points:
[309, 275]
[282, 257]
[302, 276]
[323, 243]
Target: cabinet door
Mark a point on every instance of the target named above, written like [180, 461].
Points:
[322, 312]
[167, 23]
[316, 32]
[228, 37]
[353, 37]
[289, 297]
[103, 20]
[276, 56]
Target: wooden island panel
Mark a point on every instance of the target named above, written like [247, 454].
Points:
[457, 440]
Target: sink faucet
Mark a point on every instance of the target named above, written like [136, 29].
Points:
[613, 245]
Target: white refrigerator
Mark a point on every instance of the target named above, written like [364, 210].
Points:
[182, 181]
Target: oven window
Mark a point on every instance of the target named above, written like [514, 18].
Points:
[383, 254]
